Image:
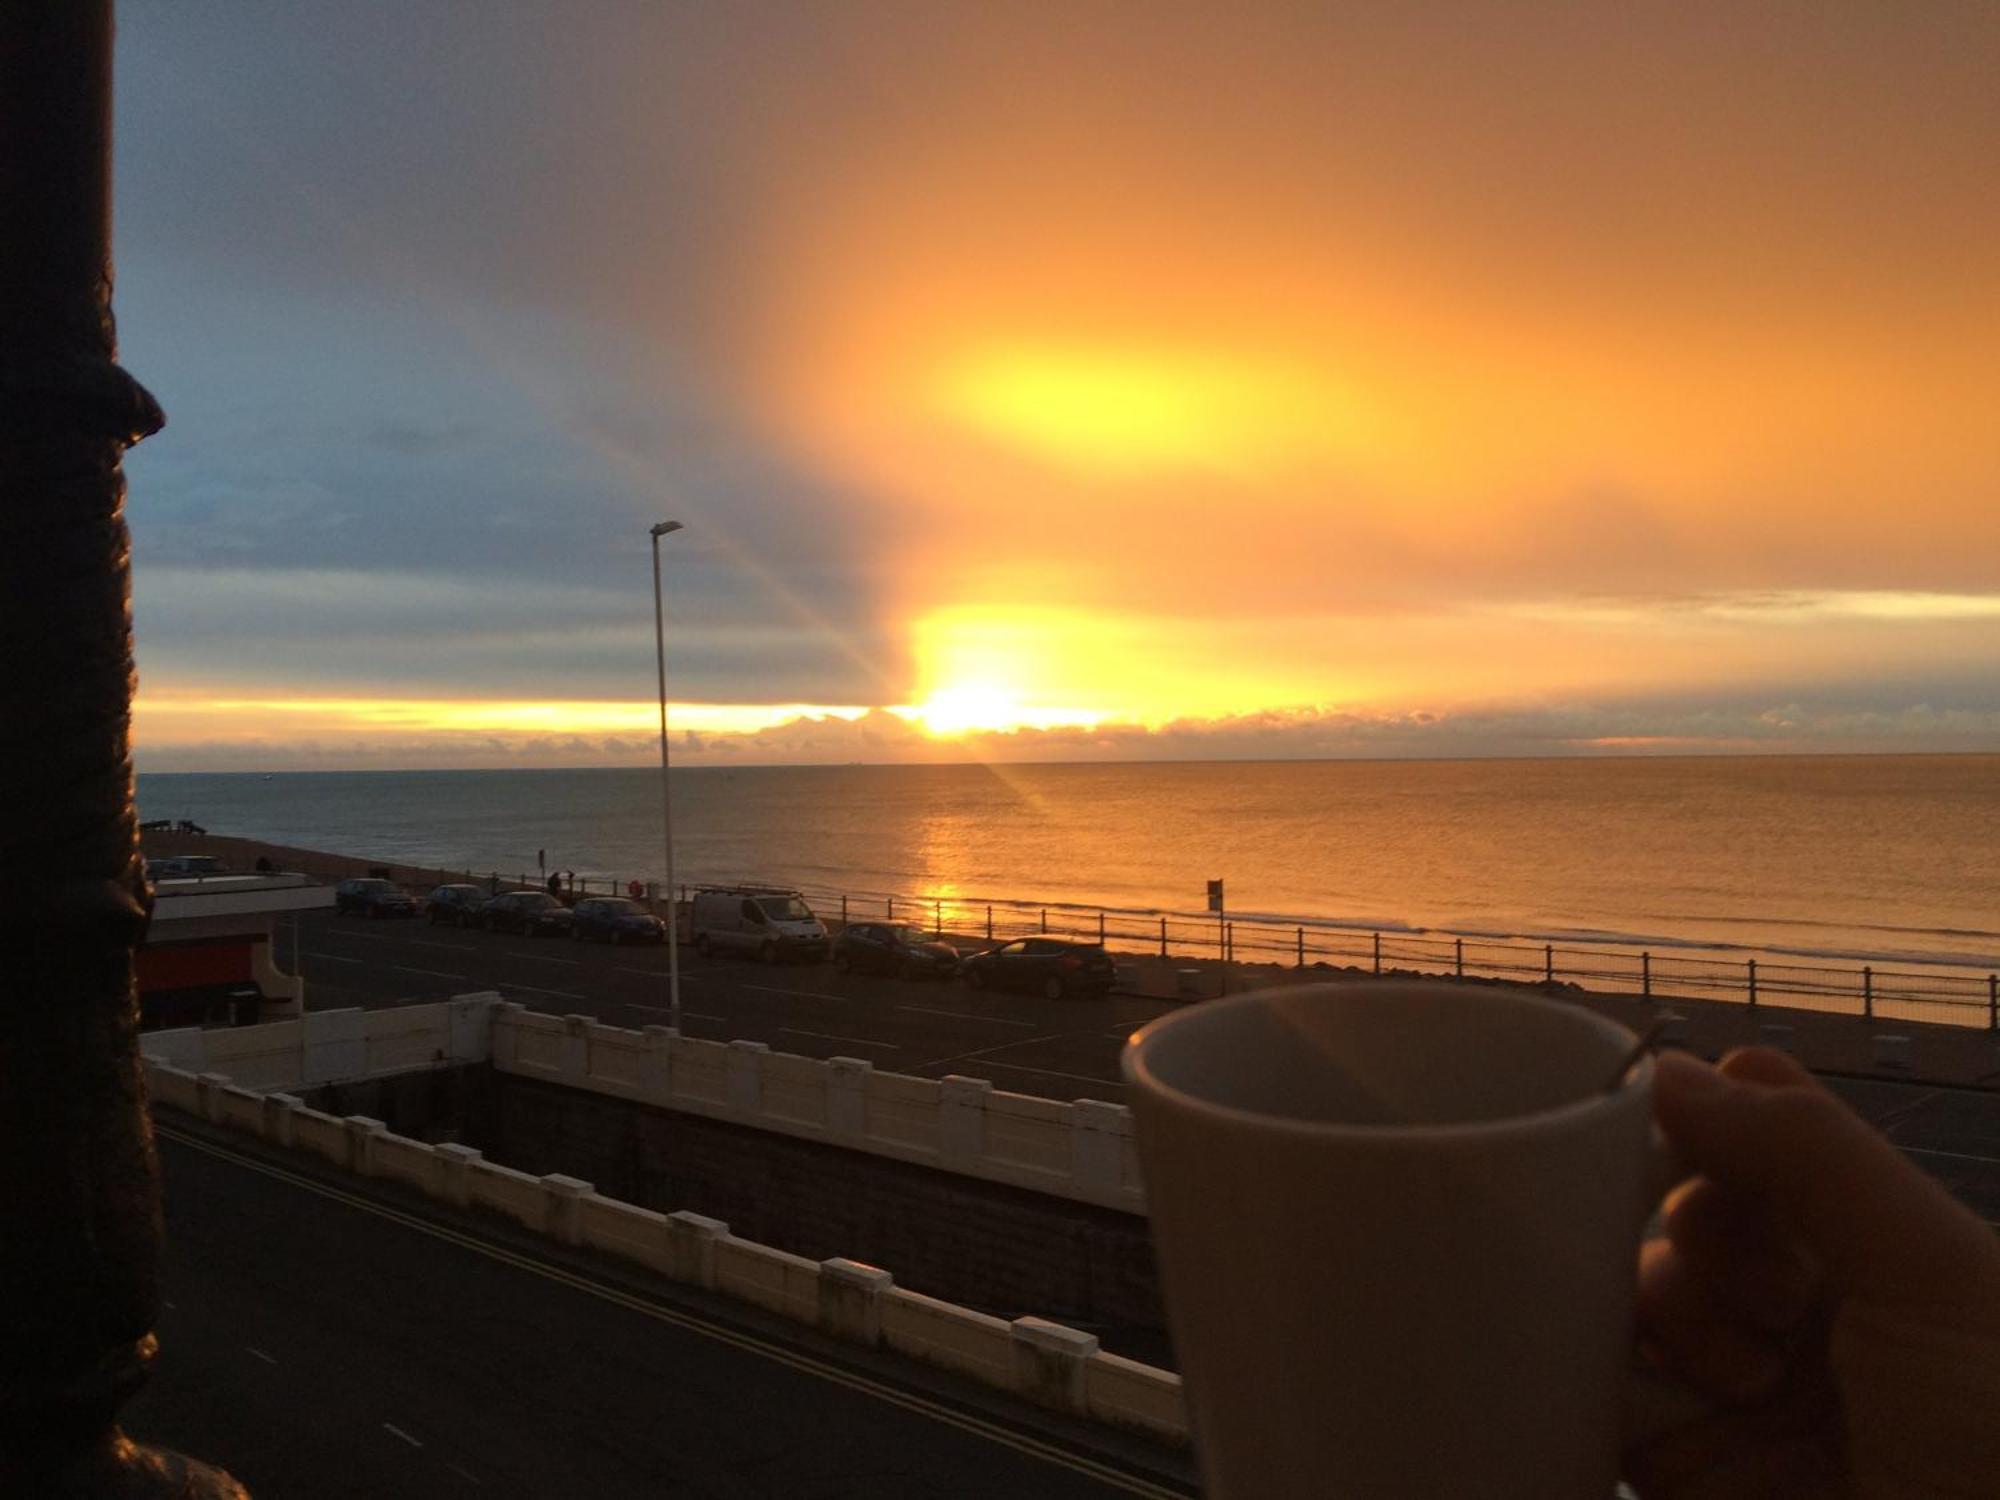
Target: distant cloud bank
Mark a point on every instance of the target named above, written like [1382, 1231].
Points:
[882, 735]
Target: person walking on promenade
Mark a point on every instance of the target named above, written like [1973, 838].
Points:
[1838, 1308]
[555, 882]
[634, 889]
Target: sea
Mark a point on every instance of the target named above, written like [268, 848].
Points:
[1893, 859]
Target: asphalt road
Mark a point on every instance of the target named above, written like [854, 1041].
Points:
[1062, 1049]
[323, 1345]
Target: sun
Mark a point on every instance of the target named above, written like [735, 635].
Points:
[968, 706]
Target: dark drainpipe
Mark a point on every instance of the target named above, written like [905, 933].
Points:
[79, 1203]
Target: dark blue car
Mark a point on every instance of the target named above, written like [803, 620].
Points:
[893, 948]
[1052, 967]
[613, 919]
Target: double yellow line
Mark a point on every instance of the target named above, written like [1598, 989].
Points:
[748, 1343]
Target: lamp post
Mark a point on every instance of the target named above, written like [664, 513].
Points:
[666, 801]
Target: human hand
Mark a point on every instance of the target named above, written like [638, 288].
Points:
[1840, 1309]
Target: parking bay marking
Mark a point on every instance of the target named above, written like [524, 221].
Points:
[966, 1015]
[429, 973]
[852, 1041]
[772, 989]
[989, 1062]
[534, 989]
[333, 958]
[662, 1010]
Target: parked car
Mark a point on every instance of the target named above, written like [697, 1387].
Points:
[533, 913]
[1049, 966]
[613, 919]
[458, 905]
[369, 897]
[757, 919]
[893, 948]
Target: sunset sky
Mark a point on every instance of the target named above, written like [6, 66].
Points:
[1060, 381]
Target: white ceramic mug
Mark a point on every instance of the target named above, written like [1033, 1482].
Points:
[1397, 1225]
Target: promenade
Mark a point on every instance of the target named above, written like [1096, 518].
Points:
[1837, 1040]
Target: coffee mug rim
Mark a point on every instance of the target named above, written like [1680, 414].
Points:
[1141, 1078]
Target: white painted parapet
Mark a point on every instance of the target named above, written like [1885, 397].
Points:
[1036, 1359]
[1082, 1150]
[1049, 1363]
[949, 1336]
[691, 1242]
[850, 1299]
[1123, 1392]
[333, 1046]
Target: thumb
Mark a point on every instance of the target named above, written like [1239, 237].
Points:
[1879, 1227]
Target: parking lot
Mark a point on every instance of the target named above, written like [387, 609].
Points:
[1062, 1049]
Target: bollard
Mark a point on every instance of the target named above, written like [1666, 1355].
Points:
[1868, 991]
[1752, 963]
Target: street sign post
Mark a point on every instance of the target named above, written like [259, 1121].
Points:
[1221, 930]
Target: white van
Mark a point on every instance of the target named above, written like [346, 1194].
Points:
[765, 920]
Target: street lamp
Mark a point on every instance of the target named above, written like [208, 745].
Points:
[666, 802]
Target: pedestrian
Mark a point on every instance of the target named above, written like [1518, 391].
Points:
[635, 890]
[555, 882]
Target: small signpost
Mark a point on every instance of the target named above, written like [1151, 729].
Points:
[1221, 929]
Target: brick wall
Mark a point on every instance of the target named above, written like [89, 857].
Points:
[985, 1245]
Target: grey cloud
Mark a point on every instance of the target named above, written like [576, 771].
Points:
[416, 440]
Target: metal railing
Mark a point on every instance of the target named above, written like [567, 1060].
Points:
[1861, 989]
[1963, 998]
